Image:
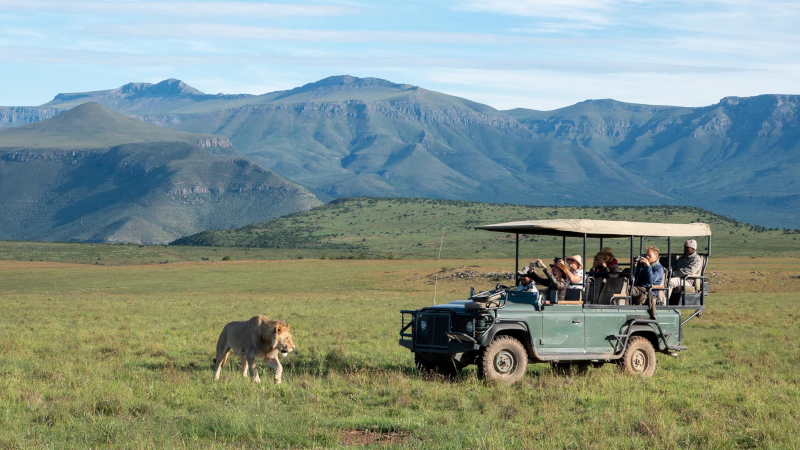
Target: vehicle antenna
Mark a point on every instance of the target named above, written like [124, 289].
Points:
[436, 283]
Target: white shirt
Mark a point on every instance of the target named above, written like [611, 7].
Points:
[579, 284]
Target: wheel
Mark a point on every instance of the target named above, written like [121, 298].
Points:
[639, 357]
[565, 368]
[445, 369]
[505, 359]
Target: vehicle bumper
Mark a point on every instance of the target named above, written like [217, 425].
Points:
[452, 347]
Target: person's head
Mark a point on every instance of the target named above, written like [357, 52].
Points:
[525, 276]
[689, 247]
[575, 262]
[604, 256]
[558, 272]
[652, 253]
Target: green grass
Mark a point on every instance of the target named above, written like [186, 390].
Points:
[120, 357]
[413, 228]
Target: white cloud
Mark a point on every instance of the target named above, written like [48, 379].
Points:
[249, 32]
[191, 9]
[587, 11]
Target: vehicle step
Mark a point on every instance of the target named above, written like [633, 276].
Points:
[575, 356]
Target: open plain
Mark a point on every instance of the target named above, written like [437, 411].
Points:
[120, 357]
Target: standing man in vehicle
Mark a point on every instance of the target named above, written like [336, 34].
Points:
[647, 273]
[689, 264]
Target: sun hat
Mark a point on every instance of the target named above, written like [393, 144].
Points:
[577, 259]
[525, 272]
[560, 266]
[607, 250]
[691, 243]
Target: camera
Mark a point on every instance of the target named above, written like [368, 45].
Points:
[638, 258]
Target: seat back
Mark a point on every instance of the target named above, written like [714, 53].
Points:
[612, 287]
[574, 294]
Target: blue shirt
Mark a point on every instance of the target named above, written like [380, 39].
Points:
[649, 275]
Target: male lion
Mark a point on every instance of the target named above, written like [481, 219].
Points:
[258, 337]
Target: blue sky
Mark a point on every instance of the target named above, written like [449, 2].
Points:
[506, 53]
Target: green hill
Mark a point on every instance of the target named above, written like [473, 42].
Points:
[348, 136]
[91, 174]
[402, 228]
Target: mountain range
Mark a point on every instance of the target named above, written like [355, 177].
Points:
[92, 174]
[348, 136]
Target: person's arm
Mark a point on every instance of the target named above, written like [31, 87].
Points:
[688, 266]
[573, 277]
[656, 275]
[540, 279]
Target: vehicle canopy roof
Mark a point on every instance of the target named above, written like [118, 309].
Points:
[599, 228]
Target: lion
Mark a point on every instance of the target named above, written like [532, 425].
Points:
[258, 337]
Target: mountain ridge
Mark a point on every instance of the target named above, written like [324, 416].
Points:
[91, 174]
[350, 136]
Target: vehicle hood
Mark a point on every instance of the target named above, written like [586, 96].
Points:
[457, 305]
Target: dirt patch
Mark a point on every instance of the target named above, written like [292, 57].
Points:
[362, 438]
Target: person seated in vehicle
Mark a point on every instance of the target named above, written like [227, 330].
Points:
[689, 264]
[554, 277]
[647, 273]
[605, 264]
[574, 272]
[526, 283]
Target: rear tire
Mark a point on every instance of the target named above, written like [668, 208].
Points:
[445, 370]
[504, 360]
[639, 358]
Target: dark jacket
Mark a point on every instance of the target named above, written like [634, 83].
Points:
[612, 269]
[551, 282]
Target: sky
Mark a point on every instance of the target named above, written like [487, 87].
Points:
[536, 54]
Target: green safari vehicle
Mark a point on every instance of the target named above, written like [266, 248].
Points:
[503, 330]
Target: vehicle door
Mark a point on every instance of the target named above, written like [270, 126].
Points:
[600, 327]
[562, 329]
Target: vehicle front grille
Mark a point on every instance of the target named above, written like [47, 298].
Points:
[435, 331]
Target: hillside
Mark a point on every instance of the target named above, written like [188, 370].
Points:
[91, 174]
[412, 228]
[347, 136]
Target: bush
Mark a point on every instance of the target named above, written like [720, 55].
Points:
[226, 258]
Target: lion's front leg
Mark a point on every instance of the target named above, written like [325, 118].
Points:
[275, 364]
[251, 361]
[244, 366]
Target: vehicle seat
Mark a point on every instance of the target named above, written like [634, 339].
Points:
[612, 287]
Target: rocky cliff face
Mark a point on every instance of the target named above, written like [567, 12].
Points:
[349, 136]
[12, 116]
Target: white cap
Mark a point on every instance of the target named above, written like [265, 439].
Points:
[691, 243]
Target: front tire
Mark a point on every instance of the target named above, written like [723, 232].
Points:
[639, 358]
[504, 360]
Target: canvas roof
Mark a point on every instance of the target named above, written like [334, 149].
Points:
[599, 228]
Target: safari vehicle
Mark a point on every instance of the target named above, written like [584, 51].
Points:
[503, 330]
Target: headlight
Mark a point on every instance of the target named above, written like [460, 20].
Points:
[470, 327]
[423, 324]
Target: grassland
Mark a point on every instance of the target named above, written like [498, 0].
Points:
[412, 228]
[120, 357]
